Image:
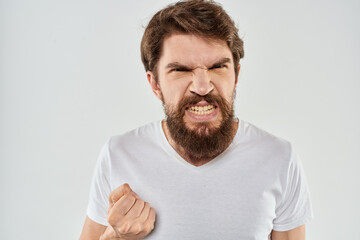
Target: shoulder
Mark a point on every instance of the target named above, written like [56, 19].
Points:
[265, 142]
[138, 136]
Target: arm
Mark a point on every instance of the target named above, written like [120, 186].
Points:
[293, 234]
[91, 230]
[129, 217]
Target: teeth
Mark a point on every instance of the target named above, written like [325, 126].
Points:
[201, 109]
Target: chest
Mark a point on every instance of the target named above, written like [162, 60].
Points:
[232, 203]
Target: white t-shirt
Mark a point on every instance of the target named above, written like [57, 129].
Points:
[257, 184]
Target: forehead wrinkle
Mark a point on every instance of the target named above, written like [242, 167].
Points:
[192, 51]
[193, 67]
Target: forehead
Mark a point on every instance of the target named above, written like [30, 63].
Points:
[193, 50]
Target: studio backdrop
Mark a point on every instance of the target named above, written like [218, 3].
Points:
[71, 76]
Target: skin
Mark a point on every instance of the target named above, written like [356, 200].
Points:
[189, 65]
[129, 217]
[294, 234]
[192, 65]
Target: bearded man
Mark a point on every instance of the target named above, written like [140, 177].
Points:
[208, 174]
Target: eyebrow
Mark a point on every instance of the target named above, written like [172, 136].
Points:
[179, 65]
[221, 61]
[175, 65]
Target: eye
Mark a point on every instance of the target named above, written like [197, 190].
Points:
[219, 66]
[180, 70]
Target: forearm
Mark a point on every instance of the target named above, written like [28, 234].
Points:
[109, 234]
[294, 234]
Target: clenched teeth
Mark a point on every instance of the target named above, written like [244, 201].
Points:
[202, 109]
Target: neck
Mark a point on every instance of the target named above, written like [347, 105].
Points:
[187, 157]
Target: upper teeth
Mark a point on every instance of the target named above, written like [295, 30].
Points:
[202, 109]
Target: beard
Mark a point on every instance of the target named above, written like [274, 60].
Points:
[204, 141]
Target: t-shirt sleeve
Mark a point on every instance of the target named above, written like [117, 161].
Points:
[295, 208]
[100, 189]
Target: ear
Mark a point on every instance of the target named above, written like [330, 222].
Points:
[154, 85]
[237, 75]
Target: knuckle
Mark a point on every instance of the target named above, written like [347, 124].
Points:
[124, 228]
[153, 212]
[152, 225]
[113, 219]
[147, 206]
[138, 228]
[140, 203]
[129, 196]
[112, 200]
[148, 227]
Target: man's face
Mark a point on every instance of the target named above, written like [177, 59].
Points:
[196, 82]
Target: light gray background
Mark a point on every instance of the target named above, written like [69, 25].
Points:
[71, 76]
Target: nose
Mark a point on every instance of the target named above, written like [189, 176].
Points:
[201, 82]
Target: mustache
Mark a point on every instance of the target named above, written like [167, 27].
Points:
[194, 99]
[204, 142]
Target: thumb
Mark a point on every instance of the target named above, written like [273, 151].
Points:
[118, 193]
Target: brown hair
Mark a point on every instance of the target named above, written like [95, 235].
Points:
[200, 17]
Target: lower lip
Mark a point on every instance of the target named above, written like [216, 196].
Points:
[203, 117]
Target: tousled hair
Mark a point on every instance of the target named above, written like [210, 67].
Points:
[199, 17]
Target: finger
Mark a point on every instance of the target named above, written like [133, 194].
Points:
[136, 209]
[152, 216]
[108, 234]
[145, 212]
[122, 206]
[116, 194]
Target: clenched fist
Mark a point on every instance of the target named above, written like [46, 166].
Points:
[130, 218]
